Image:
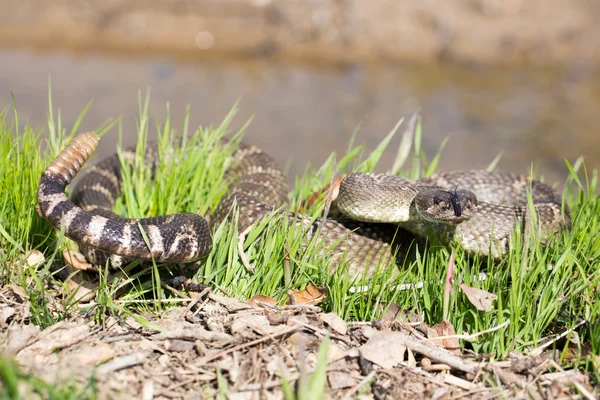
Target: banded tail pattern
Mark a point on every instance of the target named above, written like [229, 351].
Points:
[172, 238]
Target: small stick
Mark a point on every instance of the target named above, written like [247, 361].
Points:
[122, 363]
[540, 349]
[173, 290]
[438, 354]
[472, 335]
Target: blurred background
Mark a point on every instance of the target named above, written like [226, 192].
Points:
[517, 76]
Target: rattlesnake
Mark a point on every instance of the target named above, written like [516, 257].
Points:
[444, 205]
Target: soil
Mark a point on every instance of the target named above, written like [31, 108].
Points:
[205, 344]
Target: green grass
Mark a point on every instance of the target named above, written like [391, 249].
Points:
[537, 286]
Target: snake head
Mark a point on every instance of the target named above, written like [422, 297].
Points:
[446, 206]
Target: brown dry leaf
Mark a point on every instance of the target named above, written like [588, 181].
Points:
[231, 304]
[481, 299]
[77, 260]
[391, 312]
[335, 322]
[311, 295]
[19, 291]
[261, 297]
[443, 329]
[252, 323]
[82, 291]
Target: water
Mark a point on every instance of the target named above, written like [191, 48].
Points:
[535, 116]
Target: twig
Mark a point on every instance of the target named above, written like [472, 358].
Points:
[578, 385]
[540, 349]
[243, 257]
[459, 382]
[437, 354]
[173, 290]
[122, 363]
[472, 335]
[584, 391]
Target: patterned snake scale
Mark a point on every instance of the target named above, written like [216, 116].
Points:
[481, 224]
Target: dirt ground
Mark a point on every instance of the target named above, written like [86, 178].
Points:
[495, 31]
[208, 345]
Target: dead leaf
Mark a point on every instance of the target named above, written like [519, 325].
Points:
[340, 380]
[311, 295]
[251, 323]
[443, 329]
[335, 322]
[391, 312]
[260, 297]
[35, 258]
[231, 304]
[77, 260]
[481, 299]
[82, 291]
[385, 349]
[19, 291]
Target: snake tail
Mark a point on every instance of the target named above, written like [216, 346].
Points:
[171, 238]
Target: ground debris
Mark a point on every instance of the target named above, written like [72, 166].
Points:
[335, 322]
[222, 345]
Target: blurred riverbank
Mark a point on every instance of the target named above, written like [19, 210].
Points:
[536, 116]
[463, 31]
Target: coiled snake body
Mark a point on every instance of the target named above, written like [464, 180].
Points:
[443, 205]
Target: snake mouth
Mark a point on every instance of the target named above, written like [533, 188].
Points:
[447, 206]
